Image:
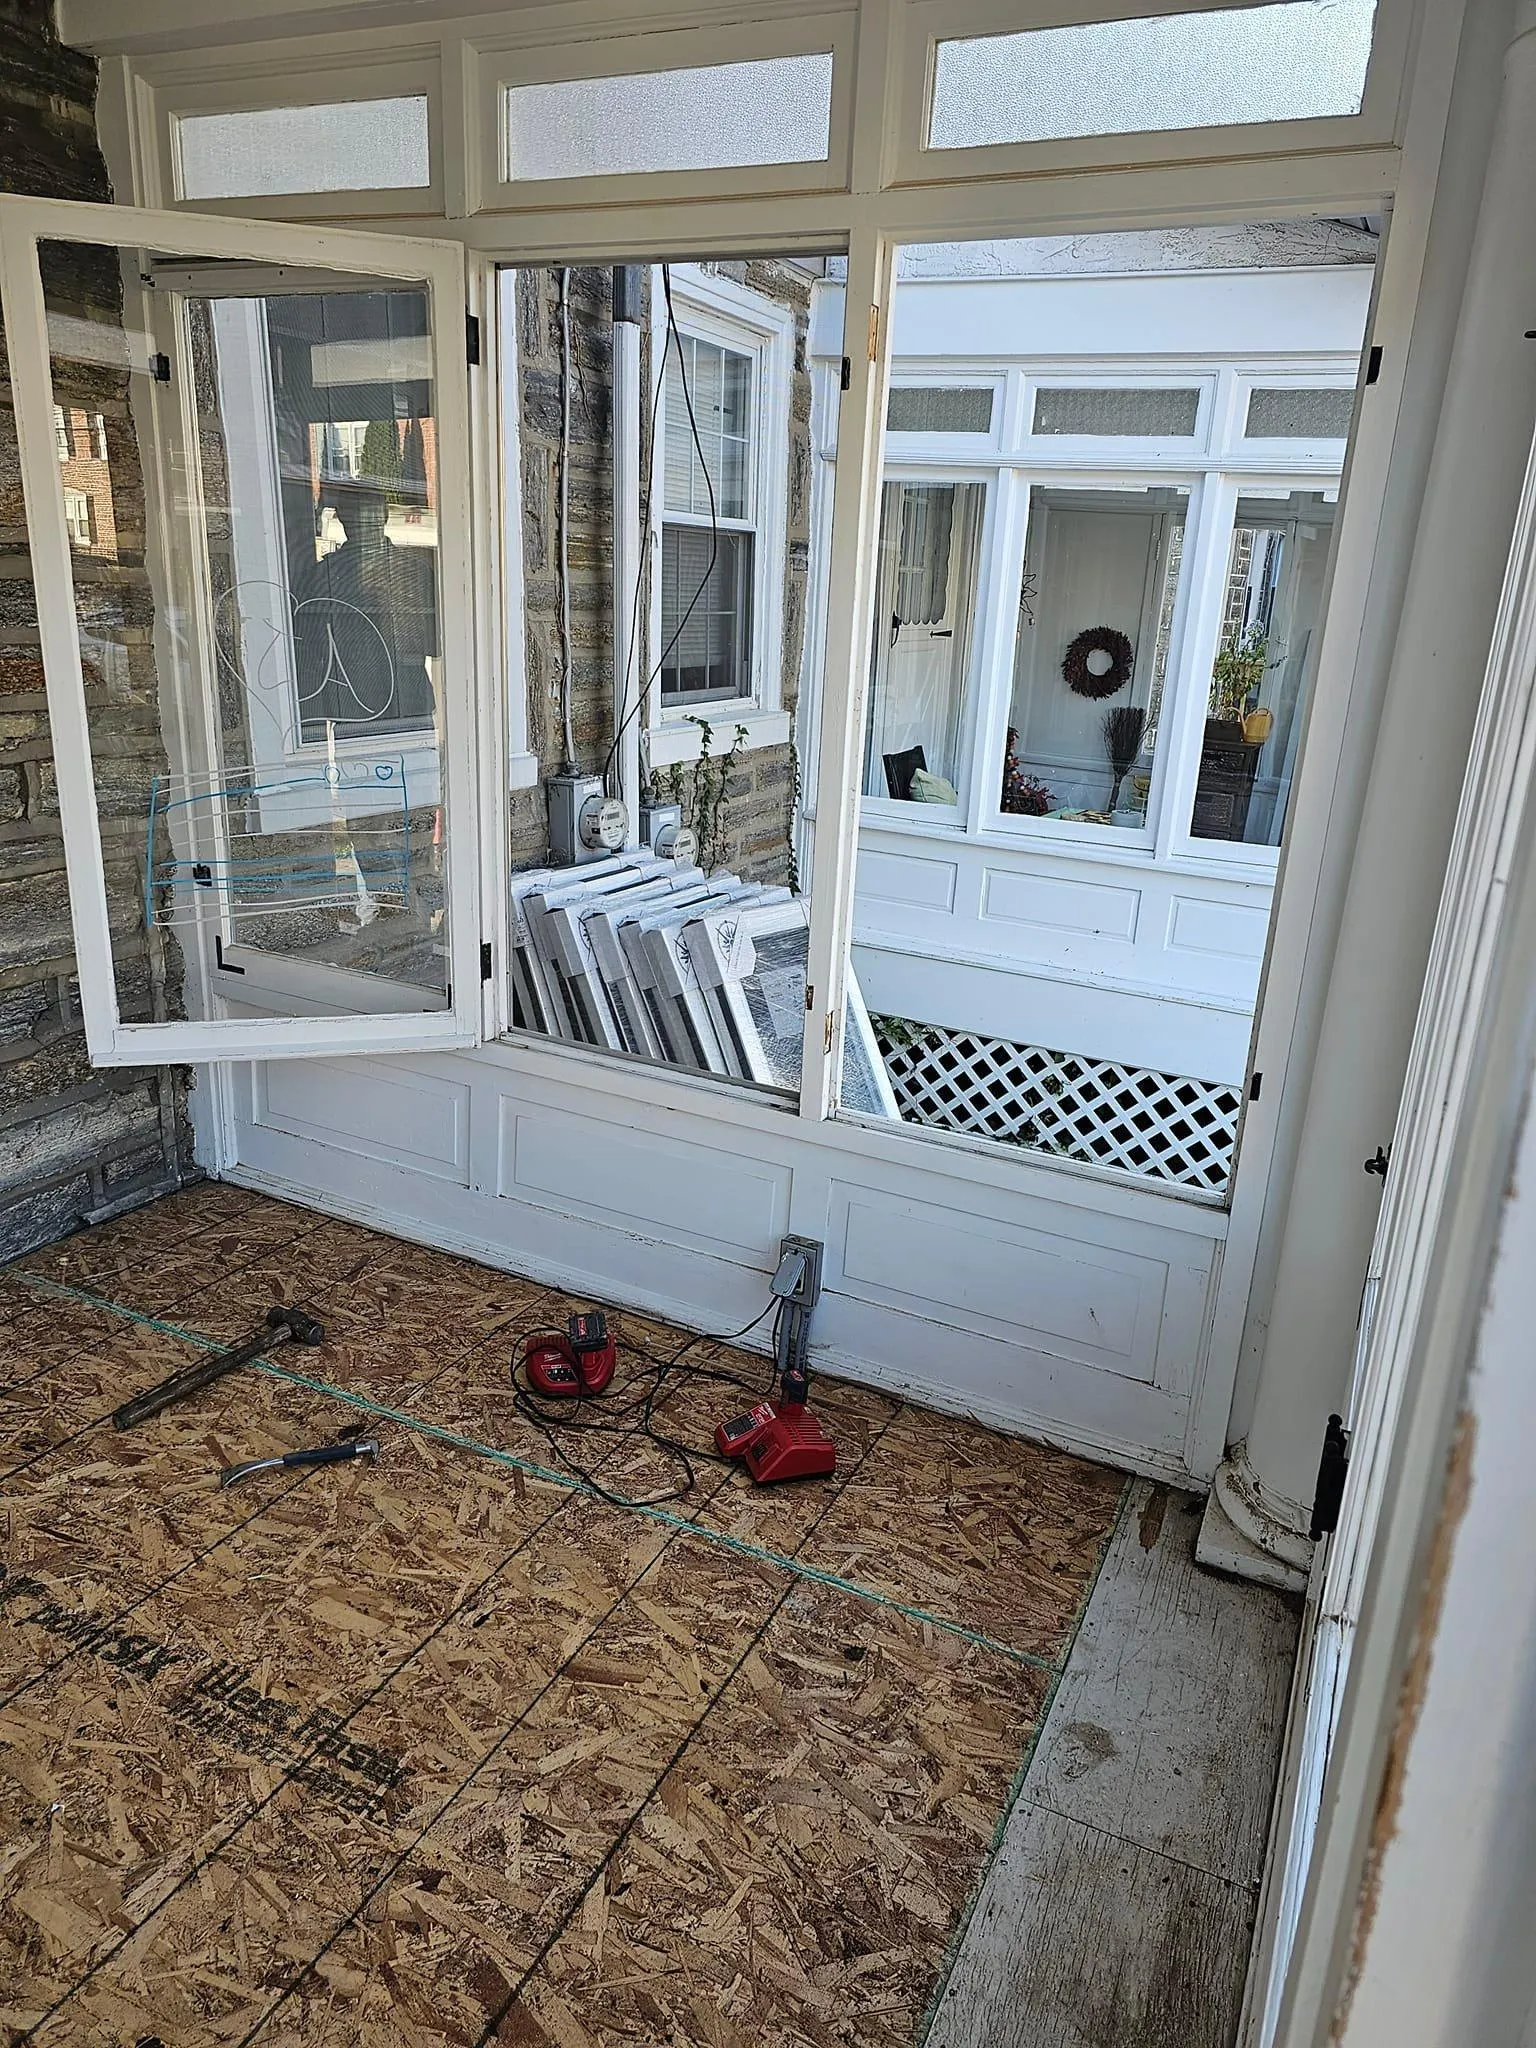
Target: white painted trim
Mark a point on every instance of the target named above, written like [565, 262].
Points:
[23, 224]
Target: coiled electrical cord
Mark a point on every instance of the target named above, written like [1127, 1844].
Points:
[632, 1413]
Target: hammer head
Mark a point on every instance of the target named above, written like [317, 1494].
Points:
[297, 1323]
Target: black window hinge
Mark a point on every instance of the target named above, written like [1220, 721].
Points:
[485, 961]
[1373, 363]
[1255, 1083]
[160, 369]
[1378, 1162]
[847, 377]
[1331, 1471]
[472, 338]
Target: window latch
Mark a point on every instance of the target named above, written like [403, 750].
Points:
[1332, 1469]
[1379, 1161]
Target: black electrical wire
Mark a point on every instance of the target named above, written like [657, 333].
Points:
[631, 711]
[618, 1418]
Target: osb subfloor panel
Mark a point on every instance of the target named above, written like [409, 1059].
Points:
[451, 1749]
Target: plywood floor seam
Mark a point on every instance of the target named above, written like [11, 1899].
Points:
[449, 1753]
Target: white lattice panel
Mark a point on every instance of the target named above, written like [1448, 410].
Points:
[1160, 1126]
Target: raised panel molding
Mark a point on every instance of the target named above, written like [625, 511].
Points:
[1091, 908]
[1236, 931]
[661, 1187]
[907, 878]
[373, 1108]
[1094, 1304]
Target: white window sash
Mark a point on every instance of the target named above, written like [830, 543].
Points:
[214, 1034]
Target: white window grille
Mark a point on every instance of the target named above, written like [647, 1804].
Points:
[1164, 1127]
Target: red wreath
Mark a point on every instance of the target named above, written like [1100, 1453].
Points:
[1099, 640]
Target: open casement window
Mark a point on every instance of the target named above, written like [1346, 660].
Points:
[244, 451]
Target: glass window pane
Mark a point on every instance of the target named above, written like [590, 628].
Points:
[265, 713]
[925, 597]
[1100, 590]
[708, 411]
[674, 932]
[939, 409]
[1297, 60]
[769, 110]
[706, 614]
[1291, 412]
[1263, 668]
[352, 146]
[1170, 415]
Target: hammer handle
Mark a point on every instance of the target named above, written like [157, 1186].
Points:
[193, 1378]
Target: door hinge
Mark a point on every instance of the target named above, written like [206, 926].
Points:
[847, 376]
[1255, 1083]
[1332, 1468]
[826, 1036]
[472, 339]
[1373, 363]
[874, 332]
[160, 368]
[485, 960]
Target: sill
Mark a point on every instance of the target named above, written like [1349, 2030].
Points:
[679, 740]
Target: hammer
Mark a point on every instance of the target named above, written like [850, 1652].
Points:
[284, 1325]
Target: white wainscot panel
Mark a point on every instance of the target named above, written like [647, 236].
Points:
[379, 1109]
[1087, 907]
[706, 1197]
[908, 879]
[1234, 931]
[1064, 1295]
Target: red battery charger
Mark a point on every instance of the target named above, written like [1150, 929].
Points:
[580, 1362]
[779, 1441]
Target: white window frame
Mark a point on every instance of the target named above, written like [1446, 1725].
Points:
[335, 73]
[717, 309]
[213, 1032]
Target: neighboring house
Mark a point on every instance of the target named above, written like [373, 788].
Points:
[1136, 439]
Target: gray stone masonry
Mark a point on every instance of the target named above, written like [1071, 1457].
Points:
[73, 1141]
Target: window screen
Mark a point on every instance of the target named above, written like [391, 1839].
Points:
[939, 409]
[771, 110]
[353, 146]
[1121, 414]
[1289, 413]
[1297, 60]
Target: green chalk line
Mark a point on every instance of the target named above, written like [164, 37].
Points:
[754, 1553]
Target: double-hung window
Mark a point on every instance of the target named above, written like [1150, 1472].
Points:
[709, 537]
[725, 353]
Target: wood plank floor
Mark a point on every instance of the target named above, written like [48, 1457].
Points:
[1118, 1910]
[455, 1749]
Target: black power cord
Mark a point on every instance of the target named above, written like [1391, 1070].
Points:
[632, 1414]
[630, 711]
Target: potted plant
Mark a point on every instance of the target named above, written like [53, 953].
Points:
[1229, 759]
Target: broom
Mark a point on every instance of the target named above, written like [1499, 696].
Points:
[1123, 728]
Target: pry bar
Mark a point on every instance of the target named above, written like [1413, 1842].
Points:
[284, 1325]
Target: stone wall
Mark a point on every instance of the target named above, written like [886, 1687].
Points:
[755, 832]
[73, 1142]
